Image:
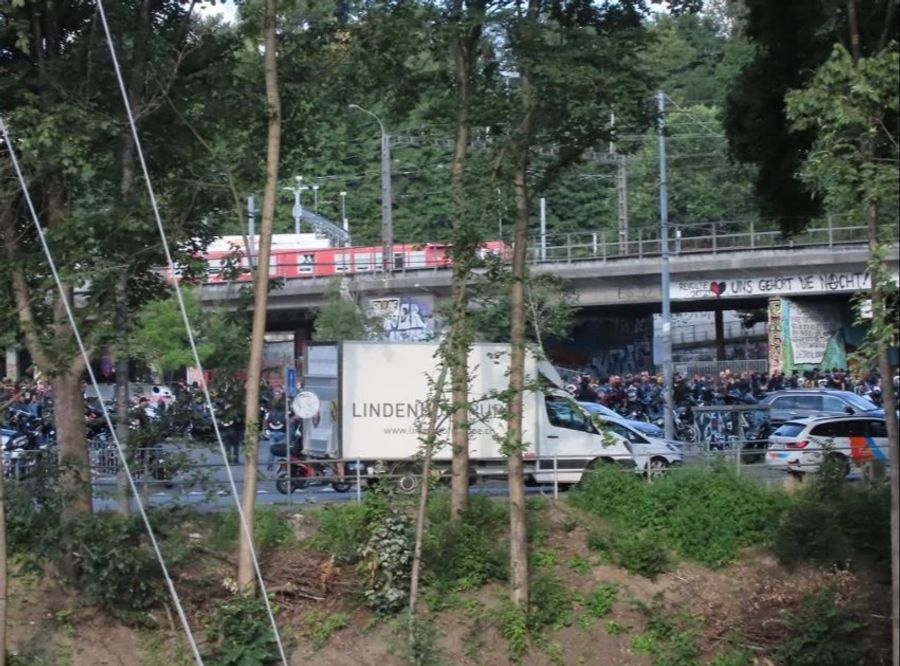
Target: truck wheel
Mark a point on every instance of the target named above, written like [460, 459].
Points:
[406, 478]
[657, 468]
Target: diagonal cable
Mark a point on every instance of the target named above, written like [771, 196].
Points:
[245, 526]
[71, 317]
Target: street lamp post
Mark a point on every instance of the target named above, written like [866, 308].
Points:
[387, 222]
[315, 189]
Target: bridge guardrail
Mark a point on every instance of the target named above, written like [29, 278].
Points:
[580, 245]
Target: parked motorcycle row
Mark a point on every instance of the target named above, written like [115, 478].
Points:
[28, 440]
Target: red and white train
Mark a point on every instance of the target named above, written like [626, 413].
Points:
[310, 256]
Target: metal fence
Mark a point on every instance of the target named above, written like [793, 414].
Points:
[735, 436]
[713, 368]
[708, 238]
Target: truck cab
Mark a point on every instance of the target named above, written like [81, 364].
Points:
[570, 442]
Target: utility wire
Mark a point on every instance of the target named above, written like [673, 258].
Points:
[245, 526]
[81, 348]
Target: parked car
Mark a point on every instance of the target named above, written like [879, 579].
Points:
[651, 455]
[649, 429]
[794, 404]
[803, 444]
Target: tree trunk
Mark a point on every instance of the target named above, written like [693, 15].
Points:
[3, 567]
[127, 178]
[460, 338]
[74, 462]
[464, 49]
[122, 393]
[246, 578]
[434, 409]
[880, 320]
[518, 541]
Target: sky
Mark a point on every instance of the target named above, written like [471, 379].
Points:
[223, 8]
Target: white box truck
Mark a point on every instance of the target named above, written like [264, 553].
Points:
[382, 395]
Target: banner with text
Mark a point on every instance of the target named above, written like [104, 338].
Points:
[781, 285]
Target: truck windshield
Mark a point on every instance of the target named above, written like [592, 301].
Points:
[566, 414]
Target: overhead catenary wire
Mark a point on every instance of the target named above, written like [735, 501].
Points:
[81, 348]
[245, 525]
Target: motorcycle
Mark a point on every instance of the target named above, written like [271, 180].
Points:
[26, 441]
[685, 428]
[295, 472]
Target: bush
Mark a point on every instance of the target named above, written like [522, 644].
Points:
[599, 602]
[117, 571]
[242, 633]
[387, 561]
[823, 634]
[342, 531]
[468, 554]
[829, 523]
[32, 516]
[551, 604]
[321, 625]
[270, 529]
[641, 553]
[703, 515]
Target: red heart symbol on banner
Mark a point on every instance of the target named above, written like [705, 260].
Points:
[718, 288]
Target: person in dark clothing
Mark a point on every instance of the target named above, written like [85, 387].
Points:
[231, 421]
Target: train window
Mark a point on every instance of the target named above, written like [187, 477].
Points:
[306, 263]
[341, 263]
[362, 262]
[416, 260]
[399, 260]
[215, 266]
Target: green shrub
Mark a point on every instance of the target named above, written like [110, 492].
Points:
[419, 648]
[810, 532]
[319, 626]
[387, 562]
[599, 602]
[116, 570]
[703, 515]
[641, 553]
[670, 640]
[242, 633]
[342, 531]
[551, 604]
[32, 516]
[600, 542]
[514, 628]
[469, 553]
[823, 634]
[830, 523]
[270, 529]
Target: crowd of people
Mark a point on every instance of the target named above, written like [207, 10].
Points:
[645, 389]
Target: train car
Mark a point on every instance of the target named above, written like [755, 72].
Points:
[304, 262]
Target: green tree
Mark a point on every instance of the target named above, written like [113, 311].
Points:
[159, 338]
[58, 97]
[852, 104]
[340, 318]
[791, 40]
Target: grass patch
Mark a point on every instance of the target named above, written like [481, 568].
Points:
[320, 626]
[270, 529]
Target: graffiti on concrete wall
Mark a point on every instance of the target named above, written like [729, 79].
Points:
[623, 345]
[403, 318]
[776, 351]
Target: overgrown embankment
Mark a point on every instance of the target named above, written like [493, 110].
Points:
[697, 567]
